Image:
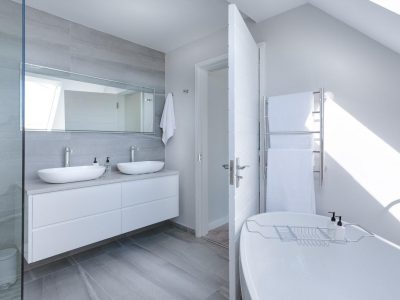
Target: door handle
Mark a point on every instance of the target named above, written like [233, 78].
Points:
[225, 166]
[243, 167]
[238, 178]
[239, 168]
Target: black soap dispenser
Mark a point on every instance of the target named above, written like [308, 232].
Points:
[108, 165]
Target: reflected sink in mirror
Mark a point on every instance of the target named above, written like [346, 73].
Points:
[71, 174]
[140, 167]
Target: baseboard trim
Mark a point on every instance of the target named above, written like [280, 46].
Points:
[217, 223]
[182, 227]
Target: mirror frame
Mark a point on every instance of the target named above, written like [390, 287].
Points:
[30, 68]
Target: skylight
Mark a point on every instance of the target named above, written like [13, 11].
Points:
[392, 5]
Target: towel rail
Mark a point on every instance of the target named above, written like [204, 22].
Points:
[322, 135]
[320, 132]
[291, 132]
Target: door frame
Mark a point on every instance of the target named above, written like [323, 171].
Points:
[201, 95]
[263, 138]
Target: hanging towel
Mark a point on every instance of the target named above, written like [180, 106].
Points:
[291, 112]
[290, 181]
[291, 141]
[168, 119]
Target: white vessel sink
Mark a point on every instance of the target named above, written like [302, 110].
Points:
[71, 174]
[140, 167]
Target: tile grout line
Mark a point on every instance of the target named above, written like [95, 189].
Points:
[215, 242]
[91, 277]
[168, 261]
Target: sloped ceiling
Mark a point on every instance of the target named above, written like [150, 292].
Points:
[260, 10]
[363, 15]
[374, 21]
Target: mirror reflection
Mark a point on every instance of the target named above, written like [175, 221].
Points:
[62, 101]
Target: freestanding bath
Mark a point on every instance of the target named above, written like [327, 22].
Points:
[274, 268]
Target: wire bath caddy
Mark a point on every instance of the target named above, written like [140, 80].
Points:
[308, 235]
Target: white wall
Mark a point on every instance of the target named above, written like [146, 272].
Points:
[307, 49]
[180, 75]
[217, 153]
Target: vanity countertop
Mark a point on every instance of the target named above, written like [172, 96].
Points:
[38, 186]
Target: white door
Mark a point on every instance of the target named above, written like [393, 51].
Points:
[243, 136]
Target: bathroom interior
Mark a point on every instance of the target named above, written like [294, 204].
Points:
[214, 149]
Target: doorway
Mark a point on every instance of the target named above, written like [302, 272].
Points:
[212, 170]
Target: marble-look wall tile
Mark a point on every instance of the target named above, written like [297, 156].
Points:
[46, 149]
[47, 40]
[103, 54]
[54, 42]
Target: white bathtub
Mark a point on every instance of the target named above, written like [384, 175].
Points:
[275, 270]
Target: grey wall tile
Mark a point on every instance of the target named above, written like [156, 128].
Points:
[47, 40]
[46, 149]
[58, 43]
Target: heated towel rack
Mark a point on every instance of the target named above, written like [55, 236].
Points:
[321, 112]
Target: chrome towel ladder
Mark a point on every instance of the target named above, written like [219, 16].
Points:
[320, 132]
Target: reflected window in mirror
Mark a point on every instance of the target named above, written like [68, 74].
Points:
[61, 101]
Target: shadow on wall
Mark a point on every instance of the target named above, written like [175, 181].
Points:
[358, 157]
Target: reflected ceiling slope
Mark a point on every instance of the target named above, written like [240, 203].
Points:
[167, 25]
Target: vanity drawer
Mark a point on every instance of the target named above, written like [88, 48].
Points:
[67, 205]
[141, 191]
[149, 213]
[59, 238]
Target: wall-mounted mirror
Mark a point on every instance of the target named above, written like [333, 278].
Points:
[62, 101]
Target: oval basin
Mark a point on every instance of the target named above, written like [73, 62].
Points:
[140, 167]
[71, 174]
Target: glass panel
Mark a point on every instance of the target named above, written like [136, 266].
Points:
[62, 101]
[11, 137]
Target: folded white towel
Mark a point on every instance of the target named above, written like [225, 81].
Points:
[167, 123]
[290, 181]
[291, 141]
[291, 112]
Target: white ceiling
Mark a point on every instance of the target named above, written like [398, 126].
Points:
[260, 10]
[374, 21]
[363, 15]
[159, 24]
[167, 25]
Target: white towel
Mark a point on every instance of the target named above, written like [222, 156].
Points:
[290, 181]
[167, 123]
[291, 141]
[291, 112]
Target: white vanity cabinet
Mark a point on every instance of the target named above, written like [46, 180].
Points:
[64, 220]
[149, 201]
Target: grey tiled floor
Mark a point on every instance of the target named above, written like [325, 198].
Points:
[219, 235]
[163, 263]
[12, 293]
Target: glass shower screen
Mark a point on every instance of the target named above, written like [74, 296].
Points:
[11, 149]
